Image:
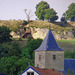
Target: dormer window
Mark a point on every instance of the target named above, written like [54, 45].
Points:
[54, 57]
[30, 73]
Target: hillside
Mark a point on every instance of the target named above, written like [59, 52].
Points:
[67, 45]
[60, 29]
[57, 26]
[13, 24]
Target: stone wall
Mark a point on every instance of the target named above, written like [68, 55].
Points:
[58, 63]
[47, 60]
[40, 63]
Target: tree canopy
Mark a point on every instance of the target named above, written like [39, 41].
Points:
[4, 34]
[15, 57]
[43, 12]
[70, 13]
[51, 15]
[40, 9]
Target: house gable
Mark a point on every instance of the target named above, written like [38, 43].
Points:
[30, 69]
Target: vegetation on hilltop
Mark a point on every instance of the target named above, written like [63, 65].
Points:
[13, 25]
[44, 12]
[70, 13]
[53, 26]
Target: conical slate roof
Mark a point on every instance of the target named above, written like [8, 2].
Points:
[49, 43]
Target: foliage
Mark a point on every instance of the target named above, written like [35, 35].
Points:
[70, 13]
[6, 63]
[25, 22]
[43, 11]
[40, 9]
[70, 72]
[4, 51]
[69, 54]
[10, 50]
[51, 15]
[29, 38]
[15, 58]
[13, 62]
[31, 46]
[13, 65]
[15, 50]
[4, 34]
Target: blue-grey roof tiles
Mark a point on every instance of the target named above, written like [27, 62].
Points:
[69, 66]
[49, 43]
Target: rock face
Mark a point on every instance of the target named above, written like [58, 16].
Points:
[21, 34]
[41, 33]
[14, 35]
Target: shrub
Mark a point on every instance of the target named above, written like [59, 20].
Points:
[25, 22]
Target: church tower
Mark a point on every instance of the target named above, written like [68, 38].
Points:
[49, 55]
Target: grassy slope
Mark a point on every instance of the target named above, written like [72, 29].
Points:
[13, 25]
[67, 45]
[54, 26]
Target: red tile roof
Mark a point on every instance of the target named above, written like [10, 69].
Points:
[47, 71]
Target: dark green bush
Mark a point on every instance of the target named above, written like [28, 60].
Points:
[25, 22]
[69, 54]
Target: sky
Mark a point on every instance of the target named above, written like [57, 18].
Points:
[14, 9]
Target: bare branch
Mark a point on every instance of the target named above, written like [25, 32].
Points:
[28, 14]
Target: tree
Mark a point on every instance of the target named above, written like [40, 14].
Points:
[31, 46]
[70, 13]
[28, 14]
[4, 34]
[40, 9]
[14, 65]
[15, 50]
[8, 66]
[24, 22]
[69, 54]
[51, 15]
[43, 12]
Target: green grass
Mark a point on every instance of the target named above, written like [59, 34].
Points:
[53, 26]
[68, 41]
[67, 45]
[14, 24]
